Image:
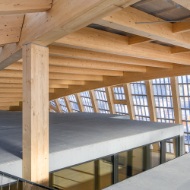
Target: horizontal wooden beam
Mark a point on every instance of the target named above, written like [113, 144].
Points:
[74, 70]
[104, 57]
[105, 42]
[11, 103]
[9, 7]
[10, 95]
[5, 99]
[4, 107]
[80, 63]
[127, 20]
[44, 29]
[176, 49]
[10, 27]
[181, 27]
[128, 77]
[138, 40]
[67, 82]
[75, 77]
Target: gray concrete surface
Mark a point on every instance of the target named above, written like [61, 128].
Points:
[79, 137]
[173, 175]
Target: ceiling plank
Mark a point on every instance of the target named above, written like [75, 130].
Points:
[105, 42]
[23, 6]
[104, 57]
[63, 18]
[127, 20]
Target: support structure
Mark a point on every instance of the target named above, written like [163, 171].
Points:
[110, 99]
[130, 106]
[36, 113]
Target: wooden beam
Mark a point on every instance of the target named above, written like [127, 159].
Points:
[103, 57]
[44, 29]
[10, 85]
[79, 102]
[58, 85]
[151, 103]
[84, 71]
[138, 40]
[9, 7]
[129, 100]
[75, 77]
[9, 99]
[10, 27]
[35, 113]
[10, 95]
[105, 42]
[4, 107]
[127, 20]
[73, 70]
[176, 49]
[127, 78]
[81, 63]
[18, 74]
[94, 101]
[110, 100]
[11, 103]
[176, 100]
[67, 82]
[181, 27]
[53, 108]
[10, 90]
[58, 105]
[67, 102]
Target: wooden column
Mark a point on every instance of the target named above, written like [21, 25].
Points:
[68, 104]
[151, 104]
[176, 106]
[79, 101]
[36, 113]
[152, 108]
[58, 106]
[94, 101]
[127, 90]
[110, 99]
[176, 101]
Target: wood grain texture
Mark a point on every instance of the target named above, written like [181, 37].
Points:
[35, 113]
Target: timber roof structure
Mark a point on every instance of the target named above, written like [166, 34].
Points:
[94, 43]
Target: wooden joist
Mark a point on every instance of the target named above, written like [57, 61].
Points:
[44, 29]
[23, 6]
[127, 20]
[80, 63]
[103, 57]
[128, 77]
[105, 42]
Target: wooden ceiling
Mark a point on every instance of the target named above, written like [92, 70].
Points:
[92, 43]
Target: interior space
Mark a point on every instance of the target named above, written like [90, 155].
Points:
[94, 94]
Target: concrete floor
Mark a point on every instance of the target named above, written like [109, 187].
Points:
[171, 175]
[79, 137]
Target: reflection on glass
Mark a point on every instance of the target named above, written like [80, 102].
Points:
[94, 175]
